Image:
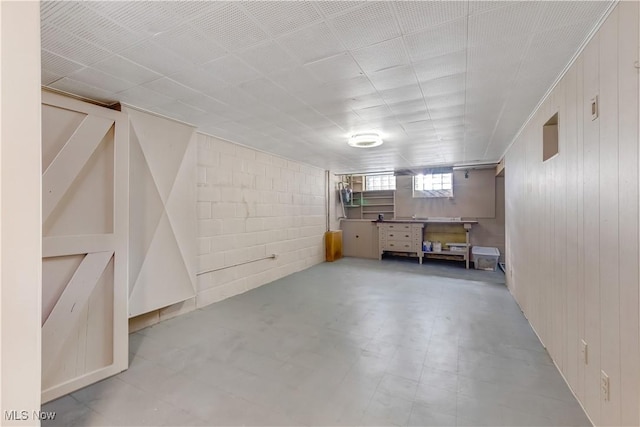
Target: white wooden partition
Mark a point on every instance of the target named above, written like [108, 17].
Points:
[162, 212]
[85, 160]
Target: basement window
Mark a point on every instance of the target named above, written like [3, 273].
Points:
[433, 185]
[380, 182]
[550, 138]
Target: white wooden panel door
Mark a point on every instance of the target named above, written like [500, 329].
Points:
[85, 160]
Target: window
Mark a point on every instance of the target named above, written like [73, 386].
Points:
[433, 185]
[380, 182]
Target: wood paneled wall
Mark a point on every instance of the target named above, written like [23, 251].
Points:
[572, 223]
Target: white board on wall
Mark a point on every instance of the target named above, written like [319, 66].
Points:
[163, 225]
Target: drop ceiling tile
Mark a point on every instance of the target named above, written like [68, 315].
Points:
[480, 6]
[364, 101]
[419, 15]
[180, 110]
[392, 78]
[309, 116]
[269, 93]
[184, 11]
[514, 22]
[351, 88]
[235, 97]
[51, 8]
[337, 67]
[446, 112]
[448, 123]
[406, 107]
[145, 18]
[206, 103]
[447, 38]
[414, 117]
[123, 68]
[139, 96]
[446, 100]
[441, 66]
[77, 19]
[171, 89]
[373, 113]
[444, 85]
[336, 107]
[47, 77]
[69, 46]
[345, 119]
[230, 27]
[268, 58]
[294, 126]
[232, 70]
[282, 17]
[557, 45]
[380, 56]
[563, 13]
[200, 80]
[82, 89]
[57, 64]
[190, 44]
[95, 77]
[401, 94]
[156, 58]
[330, 8]
[312, 43]
[294, 80]
[366, 25]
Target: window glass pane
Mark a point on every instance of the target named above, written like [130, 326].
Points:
[433, 185]
[380, 182]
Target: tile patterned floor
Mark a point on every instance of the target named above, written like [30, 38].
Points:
[355, 342]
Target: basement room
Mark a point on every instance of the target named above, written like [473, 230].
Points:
[320, 213]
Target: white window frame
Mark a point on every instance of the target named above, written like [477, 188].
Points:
[380, 182]
[433, 185]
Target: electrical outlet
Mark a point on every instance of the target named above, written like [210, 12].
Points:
[584, 351]
[604, 386]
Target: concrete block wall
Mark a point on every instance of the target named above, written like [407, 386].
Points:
[251, 205]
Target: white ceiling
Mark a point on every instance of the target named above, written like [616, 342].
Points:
[444, 82]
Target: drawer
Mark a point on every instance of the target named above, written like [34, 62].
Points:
[396, 227]
[399, 246]
[399, 235]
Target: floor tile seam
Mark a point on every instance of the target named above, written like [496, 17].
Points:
[526, 390]
[506, 356]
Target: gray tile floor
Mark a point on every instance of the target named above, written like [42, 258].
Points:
[355, 342]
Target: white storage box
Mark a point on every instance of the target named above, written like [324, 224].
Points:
[485, 258]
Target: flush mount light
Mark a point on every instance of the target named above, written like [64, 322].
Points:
[365, 140]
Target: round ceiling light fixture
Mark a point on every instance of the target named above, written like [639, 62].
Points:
[365, 140]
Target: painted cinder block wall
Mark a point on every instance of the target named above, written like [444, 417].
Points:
[572, 223]
[251, 205]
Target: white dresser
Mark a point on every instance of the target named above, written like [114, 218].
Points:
[400, 237]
